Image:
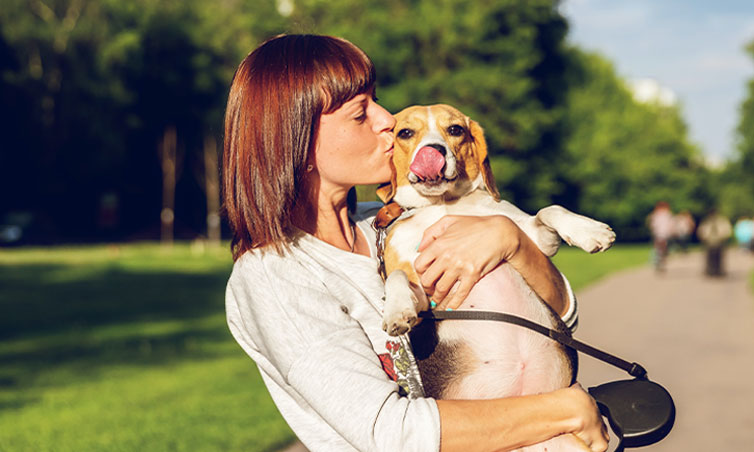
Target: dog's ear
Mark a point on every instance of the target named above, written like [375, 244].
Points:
[483, 161]
[386, 191]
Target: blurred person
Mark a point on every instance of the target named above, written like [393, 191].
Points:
[743, 231]
[714, 231]
[302, 128]
[662, 228]
[683, 229]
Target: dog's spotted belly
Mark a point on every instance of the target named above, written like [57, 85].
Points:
[473, 359]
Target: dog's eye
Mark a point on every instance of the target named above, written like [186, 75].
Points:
[455, 130]
[405, 134]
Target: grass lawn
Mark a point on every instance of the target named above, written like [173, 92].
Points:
[125, 348]
[583, 268]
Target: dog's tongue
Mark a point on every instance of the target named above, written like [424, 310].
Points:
[428, 163]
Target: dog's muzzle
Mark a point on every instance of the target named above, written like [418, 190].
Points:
[432, 165]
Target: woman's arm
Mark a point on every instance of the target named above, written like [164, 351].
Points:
[514, 422]
[458, 251]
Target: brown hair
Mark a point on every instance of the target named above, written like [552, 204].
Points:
[277, 96]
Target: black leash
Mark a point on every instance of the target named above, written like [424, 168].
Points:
[633, 369]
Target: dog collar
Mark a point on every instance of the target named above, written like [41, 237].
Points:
[387, 215]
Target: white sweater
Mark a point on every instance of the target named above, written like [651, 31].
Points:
[311, 320]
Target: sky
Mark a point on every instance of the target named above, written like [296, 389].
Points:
[695, 48]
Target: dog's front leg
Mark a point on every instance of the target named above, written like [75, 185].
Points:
[403, 300]
[545, 237]
[588, 234]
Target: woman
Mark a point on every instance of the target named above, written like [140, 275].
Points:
[302, 128]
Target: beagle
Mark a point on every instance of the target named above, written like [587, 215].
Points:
[441, 168]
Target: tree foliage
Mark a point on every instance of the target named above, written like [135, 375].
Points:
[502, 63]
[735, 181]
[89, 87]
[622, 156]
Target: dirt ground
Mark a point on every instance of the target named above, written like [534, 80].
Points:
[693, 334]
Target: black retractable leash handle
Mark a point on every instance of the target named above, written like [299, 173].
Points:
[640, 412]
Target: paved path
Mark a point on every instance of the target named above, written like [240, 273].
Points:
[694, 335]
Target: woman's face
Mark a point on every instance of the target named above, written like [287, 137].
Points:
[354, 144]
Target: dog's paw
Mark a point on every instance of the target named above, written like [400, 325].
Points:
[591, 236]
[398, 323]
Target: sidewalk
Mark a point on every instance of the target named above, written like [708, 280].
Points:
[694, 335]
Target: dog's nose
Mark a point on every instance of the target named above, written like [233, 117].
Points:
[440, 148]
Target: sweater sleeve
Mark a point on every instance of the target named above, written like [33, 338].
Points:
[341, 378]
[323, 362]
[571, 317]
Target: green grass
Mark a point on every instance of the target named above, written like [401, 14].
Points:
[124, 348]
[583, 268]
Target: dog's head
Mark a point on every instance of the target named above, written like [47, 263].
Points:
[439, 155]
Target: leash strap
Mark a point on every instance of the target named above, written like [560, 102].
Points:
[383, 221]
[633, 369]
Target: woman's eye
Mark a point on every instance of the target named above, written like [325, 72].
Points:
[405, 134]
[455, 130]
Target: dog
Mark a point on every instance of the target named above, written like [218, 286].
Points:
[441, 168]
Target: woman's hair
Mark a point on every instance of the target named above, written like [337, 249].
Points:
[277, 96]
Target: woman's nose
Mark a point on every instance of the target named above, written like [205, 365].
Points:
[385, 121]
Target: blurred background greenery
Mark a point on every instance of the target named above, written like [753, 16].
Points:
[111, 112]
[111, 117]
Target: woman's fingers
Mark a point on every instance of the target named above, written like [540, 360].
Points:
[449, 282]
[423, 263]
[454, 255]
[594, 432]
[457, 294]
[442, 288]
[435, 231]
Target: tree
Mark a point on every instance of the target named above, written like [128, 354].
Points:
[623, 156]
[89, 90]
[736, 182]
[499, 62]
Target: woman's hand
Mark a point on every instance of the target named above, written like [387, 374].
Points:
[458, 251]
[588, 425]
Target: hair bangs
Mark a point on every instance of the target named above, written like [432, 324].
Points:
[346, 71]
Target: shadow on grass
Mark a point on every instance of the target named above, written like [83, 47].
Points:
[86, 353]
[78, 320]
[44, 298]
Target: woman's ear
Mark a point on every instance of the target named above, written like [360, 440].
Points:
[483, 161]
[386, 191]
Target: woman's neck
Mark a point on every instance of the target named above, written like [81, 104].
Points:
[325, 216]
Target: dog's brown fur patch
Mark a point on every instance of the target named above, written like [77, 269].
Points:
[393, 262]
[441, 364]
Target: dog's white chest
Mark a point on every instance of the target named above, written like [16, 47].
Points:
[405, 239]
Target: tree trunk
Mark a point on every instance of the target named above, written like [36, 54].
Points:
[168, 160]
[212, 190]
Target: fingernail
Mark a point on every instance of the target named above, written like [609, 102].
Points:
[432, 304]
[417, 246]
[449, 309]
